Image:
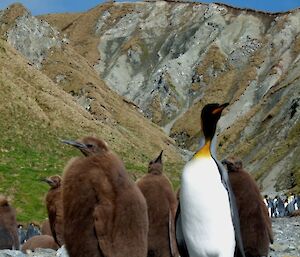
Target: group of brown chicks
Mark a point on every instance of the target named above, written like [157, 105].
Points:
[95, 209]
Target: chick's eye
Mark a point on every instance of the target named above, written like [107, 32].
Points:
[89, 145]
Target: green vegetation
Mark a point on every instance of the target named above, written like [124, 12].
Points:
[25, 157]
[30, 150]
[36, 154]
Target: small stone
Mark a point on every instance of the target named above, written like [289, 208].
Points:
[43, 253]
[62, 252]
[279, 247]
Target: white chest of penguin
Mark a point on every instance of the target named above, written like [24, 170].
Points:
[205, 211]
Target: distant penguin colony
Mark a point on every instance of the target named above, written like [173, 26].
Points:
[21, 234]
[32, 230]
[256, 226]
[105, 214]
[207, 221]
[8, 226]
[55, 208]
[162, 204]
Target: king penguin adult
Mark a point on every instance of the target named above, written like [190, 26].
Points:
[207, 221]
[105, 213]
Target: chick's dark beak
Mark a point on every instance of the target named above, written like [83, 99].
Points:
[159, 158]
[75, 144]
[46, 180]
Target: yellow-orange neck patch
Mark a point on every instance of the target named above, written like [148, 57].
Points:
[204, 151]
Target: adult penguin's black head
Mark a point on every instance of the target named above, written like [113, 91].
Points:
[210, 115]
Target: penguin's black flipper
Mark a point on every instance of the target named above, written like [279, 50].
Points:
[183, 251]
[239, 248]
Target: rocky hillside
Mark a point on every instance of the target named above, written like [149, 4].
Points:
[171, 58]
[103, 71]
[52, 93]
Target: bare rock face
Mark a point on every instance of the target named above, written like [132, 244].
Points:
[33, 38]
[150, 54]
[164, 56]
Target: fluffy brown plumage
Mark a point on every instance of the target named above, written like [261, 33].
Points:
[8, 226]
[105, 213]
[256, 226]
[40, 241]
[55, 208]
[162, 203]
[295, 213]
[45, 228]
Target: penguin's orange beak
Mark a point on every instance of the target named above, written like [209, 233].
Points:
[220, 108]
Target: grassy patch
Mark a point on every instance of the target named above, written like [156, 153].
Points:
[24, 159]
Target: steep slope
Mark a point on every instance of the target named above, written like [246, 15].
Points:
[172, 58]
[69, 71]
[36, 112]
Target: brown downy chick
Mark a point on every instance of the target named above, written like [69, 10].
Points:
[45, 228]
[8, 226]
[256, 227]
[40, 241]
[162, 204]
[55, 208]
[105, 212]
